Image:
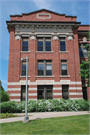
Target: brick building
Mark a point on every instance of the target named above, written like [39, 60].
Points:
[54, 44]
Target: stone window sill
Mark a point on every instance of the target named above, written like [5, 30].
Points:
[44, 51]
[25, 51]
[63, 51]
[84, 57]
[45, 76]
[64, 75]
[24, 76]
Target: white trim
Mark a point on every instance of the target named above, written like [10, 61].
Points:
[75, 88]
[57, 93]
[15, 94]
[13, 89]
[57, 88]
[44, 51]
[24, 51]
[44, 14]
[63, 51]
[64, 75]
[45, 76]
[75, 98]
[15, 100]
[42, 82]
[25, 35]
[32, 99]
[24, 76]
[75, 82]
[32, 94]
[76, 93]
[44, 35]
[32, 88]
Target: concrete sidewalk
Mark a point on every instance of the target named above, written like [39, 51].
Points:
[41, 115]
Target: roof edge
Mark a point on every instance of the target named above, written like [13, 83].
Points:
[41, 10]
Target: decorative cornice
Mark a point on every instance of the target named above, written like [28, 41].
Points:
[84, 39]
[44, 16]
[55, 38]
[17, 37]
[70, 38]
[33, 38]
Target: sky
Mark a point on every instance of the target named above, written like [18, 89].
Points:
[79, 8]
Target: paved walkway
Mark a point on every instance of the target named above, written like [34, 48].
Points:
[42, 115]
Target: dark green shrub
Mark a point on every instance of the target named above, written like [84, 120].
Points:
[4, 96]
[45, 106]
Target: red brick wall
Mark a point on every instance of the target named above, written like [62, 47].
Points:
[33, 17]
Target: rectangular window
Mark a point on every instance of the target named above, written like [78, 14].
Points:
[23, 68]
[85, 94]
[65, 93]
[23, 93]
[25, 44]
[44, 44]
[40, 44]
[44, 67]
[64, 67]
[45, 92]
[40, 67]
[62, 44]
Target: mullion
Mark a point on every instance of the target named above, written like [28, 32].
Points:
[44, 44]
[44, 68]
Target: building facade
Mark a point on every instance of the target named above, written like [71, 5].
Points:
[54, 44]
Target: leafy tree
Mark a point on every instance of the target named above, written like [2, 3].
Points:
[4, 96]
[84, 72]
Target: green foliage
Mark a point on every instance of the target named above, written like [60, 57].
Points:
[4, 96]
[84, 72]
[7, 115]
[45, 106]
[2, 88]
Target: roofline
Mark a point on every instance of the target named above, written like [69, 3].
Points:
[41, 22]
[41, 10]
[85, 25]
[83, 30]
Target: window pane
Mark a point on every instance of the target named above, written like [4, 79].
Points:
[25, 44]
[64, 67]
[49, 94]
[48, 45]
[40, 45]
[40, 69]
[80, 52]
[23, 93]
[64, 72]
[65, 94]
[48, 69]
[62, 46]
[23, 68]
[40, 94]
[85, 52]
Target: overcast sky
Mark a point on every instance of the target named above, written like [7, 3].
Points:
[79, 8]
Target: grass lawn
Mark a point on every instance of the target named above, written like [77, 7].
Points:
[7, 115]
[60, 125]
